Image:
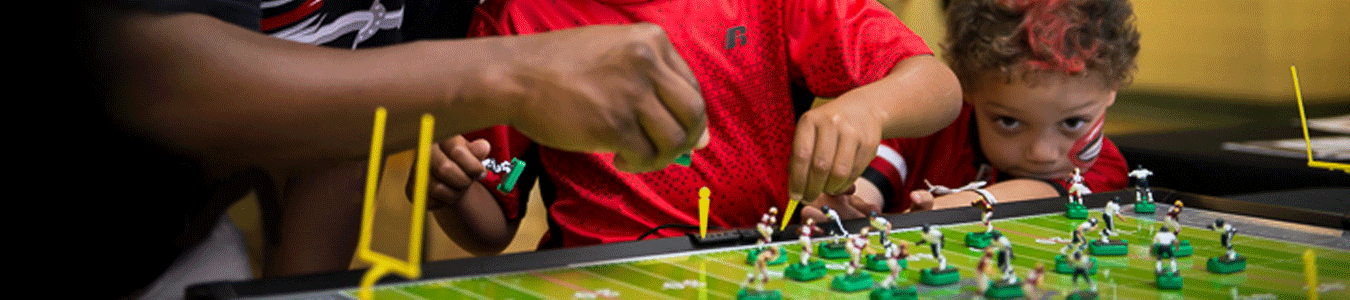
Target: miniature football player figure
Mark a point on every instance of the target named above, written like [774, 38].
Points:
[1166, 243]
[1032, 285]
[1227, 238]
[879, 263]
[766, 225]
[834, 248]
[884, 226]
[806, 231]
[1142, 193]
[765, 254]
[1229, 262]
[1079, 239]
[933, 237]
[987, 210]
[838, 228]
[1081, 264]
[894, 254]
[1109, 214]
[854, 279]
[856, 245]
[1005, 257]
[1077, 189]
[1173, 218]
[982, 269]
[807, 269]
[938, 190]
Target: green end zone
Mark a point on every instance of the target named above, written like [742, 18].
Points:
[1272, 268]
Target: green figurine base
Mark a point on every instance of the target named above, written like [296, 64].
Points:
[935, 277]
[979, 240]
[852, 283]
[1003, 290]
[1075, 211]
[1082, 295]
[1222, 265]
[811, 271]
[878, 264]
[754, 255]
[1183, 250]
[749, 294]
[1145, 207]
[1062, 265]
[1169, 281]
[1113, 248]
[832, 250]
[894, 293]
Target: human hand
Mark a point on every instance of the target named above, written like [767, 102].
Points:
[922, 200]
[858, 201]
[620, 89]
[833, 145]
[455, 165]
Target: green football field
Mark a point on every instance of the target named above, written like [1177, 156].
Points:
[1275, 270]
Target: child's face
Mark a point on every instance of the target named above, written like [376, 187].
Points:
[1030, 131]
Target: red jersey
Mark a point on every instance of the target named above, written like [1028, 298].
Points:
[951, 157]
[746, 55]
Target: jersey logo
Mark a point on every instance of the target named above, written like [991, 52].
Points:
[735, 34]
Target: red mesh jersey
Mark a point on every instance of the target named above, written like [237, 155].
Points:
[746, 55]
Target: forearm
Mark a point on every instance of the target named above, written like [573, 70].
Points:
[239, 98]
[918, 97]
[476, 222]
[1006, 191]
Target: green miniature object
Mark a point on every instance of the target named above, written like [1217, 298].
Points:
[748, 294]
[935, 277]
[832, 250]
[1145, 208]
[811, 271]
[1062, 265]
[753, 255]
[852, 283]
[894, 293]
[878, 264]
[1075, 211]
[1222, 265]
[1183, 250]
[1082, 295]
[1003, 290]
[685, 159]
[979, 240]
[1169, 281]
[1114, 248]
[517, 167]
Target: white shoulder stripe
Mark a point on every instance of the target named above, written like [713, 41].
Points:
[897, 161]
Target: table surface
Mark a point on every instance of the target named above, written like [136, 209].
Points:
[1313, 227]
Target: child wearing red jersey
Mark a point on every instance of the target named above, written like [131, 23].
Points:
[752, 58]
[1037, 77]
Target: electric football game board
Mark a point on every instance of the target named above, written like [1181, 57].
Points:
[1277, 244]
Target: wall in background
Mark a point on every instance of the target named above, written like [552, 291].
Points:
[1236, 50]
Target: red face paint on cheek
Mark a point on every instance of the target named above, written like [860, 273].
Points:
[1088, 146]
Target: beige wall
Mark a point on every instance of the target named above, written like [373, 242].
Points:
[1225, 49]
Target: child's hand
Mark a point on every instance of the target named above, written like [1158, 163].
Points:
[455, 165]
[833, 145]
[849, 204]
[922, 199]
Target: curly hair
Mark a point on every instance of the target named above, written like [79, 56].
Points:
[1021, 38]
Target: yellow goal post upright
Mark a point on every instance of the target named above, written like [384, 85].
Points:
[381, 264]
[1298, 94]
